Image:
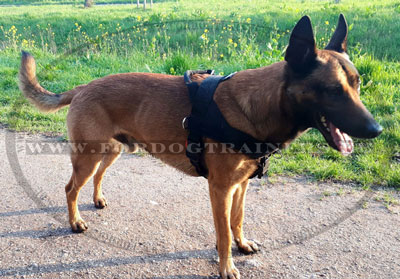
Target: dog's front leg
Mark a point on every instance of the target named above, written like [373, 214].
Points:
[221, 201]
[237, 215]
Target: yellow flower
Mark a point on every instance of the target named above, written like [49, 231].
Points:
[230, 40]
[327, 22]
[205, 30]
[139, 18]
[248, 20]
[222, 56]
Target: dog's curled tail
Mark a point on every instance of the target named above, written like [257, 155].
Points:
[40, 97]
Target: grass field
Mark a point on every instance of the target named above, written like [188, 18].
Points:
[73, 45]
[68, 2]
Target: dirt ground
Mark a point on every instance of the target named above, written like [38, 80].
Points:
[159, 224]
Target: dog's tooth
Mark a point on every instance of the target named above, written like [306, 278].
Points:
[323, 119]
[329, 130]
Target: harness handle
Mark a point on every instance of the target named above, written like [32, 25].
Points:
[189, 73]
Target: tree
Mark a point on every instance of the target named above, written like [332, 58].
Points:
[89, 3]
[144, 4]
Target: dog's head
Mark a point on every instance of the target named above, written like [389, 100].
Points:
[324, 87]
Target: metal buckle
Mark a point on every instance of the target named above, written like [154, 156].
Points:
[185, 123]
[210, 72]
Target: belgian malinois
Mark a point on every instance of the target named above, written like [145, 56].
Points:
[311, 89]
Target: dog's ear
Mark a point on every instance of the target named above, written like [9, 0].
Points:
[338, 41]
[301, 52]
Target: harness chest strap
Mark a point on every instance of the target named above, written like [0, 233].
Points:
[206, 120]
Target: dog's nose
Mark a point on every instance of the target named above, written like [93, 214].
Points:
[374, 129]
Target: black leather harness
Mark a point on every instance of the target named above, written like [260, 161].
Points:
[206, 120]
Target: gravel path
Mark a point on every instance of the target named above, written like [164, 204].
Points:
[159, 224]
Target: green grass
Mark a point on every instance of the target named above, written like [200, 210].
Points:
[71, 2]
[73, 45]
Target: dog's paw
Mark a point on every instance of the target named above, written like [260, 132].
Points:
[229, 272]
[100, 202]
[247, 247]
[79, 226]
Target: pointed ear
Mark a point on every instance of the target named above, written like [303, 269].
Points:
[301, 52]
[338, 41]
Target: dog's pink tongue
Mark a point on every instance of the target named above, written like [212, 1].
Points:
[342, 140]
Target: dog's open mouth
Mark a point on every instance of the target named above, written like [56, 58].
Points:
[335, 138]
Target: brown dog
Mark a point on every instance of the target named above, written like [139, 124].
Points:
[312, 88]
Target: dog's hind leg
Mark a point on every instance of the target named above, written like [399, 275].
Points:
[108, 159]
[237, 215]
[84, 166]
